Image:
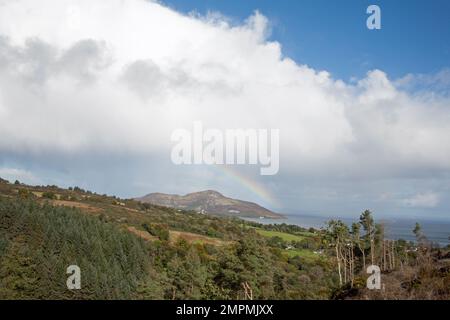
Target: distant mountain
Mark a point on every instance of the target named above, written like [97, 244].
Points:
[210, 202]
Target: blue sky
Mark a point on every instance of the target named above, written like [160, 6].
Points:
[332, 35]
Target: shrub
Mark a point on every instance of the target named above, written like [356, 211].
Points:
[49, 195]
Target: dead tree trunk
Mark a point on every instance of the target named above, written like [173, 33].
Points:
[363, 255]
[344, 257]
[339, 263]
[393, 254]
[352, 265]
[248, 292]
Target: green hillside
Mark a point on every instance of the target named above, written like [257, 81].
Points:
[132, 250]
[128, 250]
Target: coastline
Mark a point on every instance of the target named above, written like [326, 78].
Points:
[436, 231]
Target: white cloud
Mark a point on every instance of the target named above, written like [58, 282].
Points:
[12, 174]
[423, 200]
[427, 83]
[100, 77]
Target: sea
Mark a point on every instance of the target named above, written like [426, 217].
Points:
[436, 231]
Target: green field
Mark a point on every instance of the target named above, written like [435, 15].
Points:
[303, 253]
[283, 235]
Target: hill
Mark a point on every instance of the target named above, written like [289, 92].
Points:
[127, 249]
[210, 202]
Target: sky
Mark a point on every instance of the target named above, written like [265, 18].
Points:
[331, 35]
[91, 91]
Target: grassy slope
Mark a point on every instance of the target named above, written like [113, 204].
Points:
[283, 235]
[223, 268]
[306, 254]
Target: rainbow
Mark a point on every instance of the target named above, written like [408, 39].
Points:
[250, 184]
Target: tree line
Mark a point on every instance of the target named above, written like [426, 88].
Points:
[364, 243]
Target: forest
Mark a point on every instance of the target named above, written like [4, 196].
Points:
[129, 250]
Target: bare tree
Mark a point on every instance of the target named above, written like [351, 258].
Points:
[338, 233]
[248, 292]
